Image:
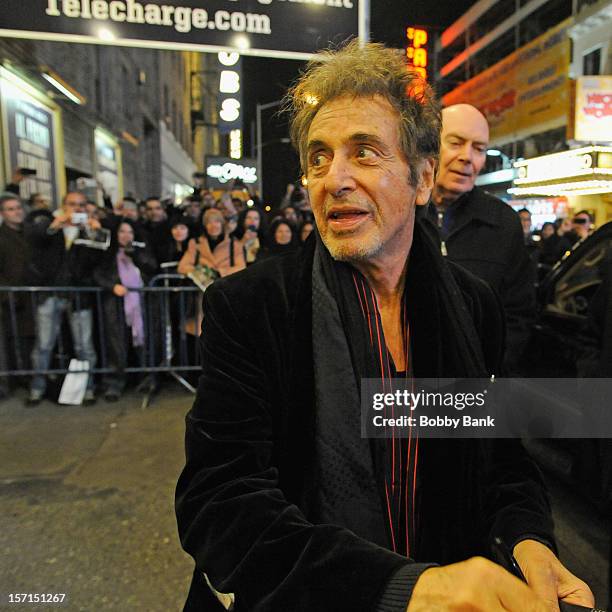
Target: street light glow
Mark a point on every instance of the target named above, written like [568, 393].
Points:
[241, 42]
[106, 34]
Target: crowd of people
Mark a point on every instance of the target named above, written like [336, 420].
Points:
[120, 248]
[548, 244]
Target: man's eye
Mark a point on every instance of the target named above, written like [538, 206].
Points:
[365, 153]
[317, 160]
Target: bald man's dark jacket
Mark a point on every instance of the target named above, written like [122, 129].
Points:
[250, 441]
[485, 237]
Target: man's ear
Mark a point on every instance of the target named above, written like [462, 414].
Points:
[427, 174]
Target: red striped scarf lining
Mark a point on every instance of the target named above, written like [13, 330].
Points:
[407, 480]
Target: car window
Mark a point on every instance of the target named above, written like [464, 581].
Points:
[574, 290]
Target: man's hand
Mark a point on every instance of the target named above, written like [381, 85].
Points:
[549, 578]
[17, 176]
[475, 585]
[94, 224]
[62, 220]
[120, 290]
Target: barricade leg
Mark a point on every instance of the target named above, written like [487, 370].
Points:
[48, 320]
[81, 326]
[4, 361]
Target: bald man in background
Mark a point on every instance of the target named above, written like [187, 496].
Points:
[479, 231]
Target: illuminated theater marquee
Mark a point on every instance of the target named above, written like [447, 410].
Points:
[252, 27]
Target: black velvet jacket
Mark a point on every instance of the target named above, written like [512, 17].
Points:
[250, 435]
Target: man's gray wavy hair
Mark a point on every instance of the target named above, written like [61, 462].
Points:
[367, 71]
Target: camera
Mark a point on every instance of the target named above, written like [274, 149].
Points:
[79, 218]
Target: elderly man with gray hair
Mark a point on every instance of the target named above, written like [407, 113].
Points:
[282, 503]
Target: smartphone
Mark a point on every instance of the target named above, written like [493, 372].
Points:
[79, 218]
[27, 171]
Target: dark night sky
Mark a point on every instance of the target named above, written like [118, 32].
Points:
[267, 79]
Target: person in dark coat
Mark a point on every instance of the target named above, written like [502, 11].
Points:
[479, 231]
[156, 226]
[16, 329]
[553, 246]
[282, 238]
[126, 267]
[182, 229]
[282, 503]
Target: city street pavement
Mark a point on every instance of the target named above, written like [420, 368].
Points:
[86, 499]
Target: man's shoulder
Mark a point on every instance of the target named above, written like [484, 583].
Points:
[274, 280]
[491, 204]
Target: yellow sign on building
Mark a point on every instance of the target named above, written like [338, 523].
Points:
[525, 93]
[593, 109]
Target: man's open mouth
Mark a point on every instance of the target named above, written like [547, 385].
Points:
[346, 219]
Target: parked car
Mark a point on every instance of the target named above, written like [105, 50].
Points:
[573, 339]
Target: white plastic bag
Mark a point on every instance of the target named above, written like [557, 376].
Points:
[75, 383]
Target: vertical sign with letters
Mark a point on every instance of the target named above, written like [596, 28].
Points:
[108, 164]
[416, 50]
[29, 134]
[230, 92]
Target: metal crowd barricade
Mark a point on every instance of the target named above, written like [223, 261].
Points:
[169, 304]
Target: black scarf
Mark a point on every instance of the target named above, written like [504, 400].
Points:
[349, 345]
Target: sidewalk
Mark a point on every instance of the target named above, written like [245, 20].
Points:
[86, 496]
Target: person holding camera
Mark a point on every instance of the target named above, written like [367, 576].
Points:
[62, 256]
[582, 224]
[251, 233]
[127, 265]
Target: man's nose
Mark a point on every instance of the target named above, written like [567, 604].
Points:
[466, 152]
[339, 180]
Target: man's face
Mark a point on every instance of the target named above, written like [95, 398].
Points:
[290, 214]
[358, 179]
[194, 209]
[75, 203]
[581, 224]
[130, 211]
[12, 212]
[40, 202]
[463, 149]
[155, 211]
[525, 221]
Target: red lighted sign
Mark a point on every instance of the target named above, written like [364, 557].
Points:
[416, 51]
